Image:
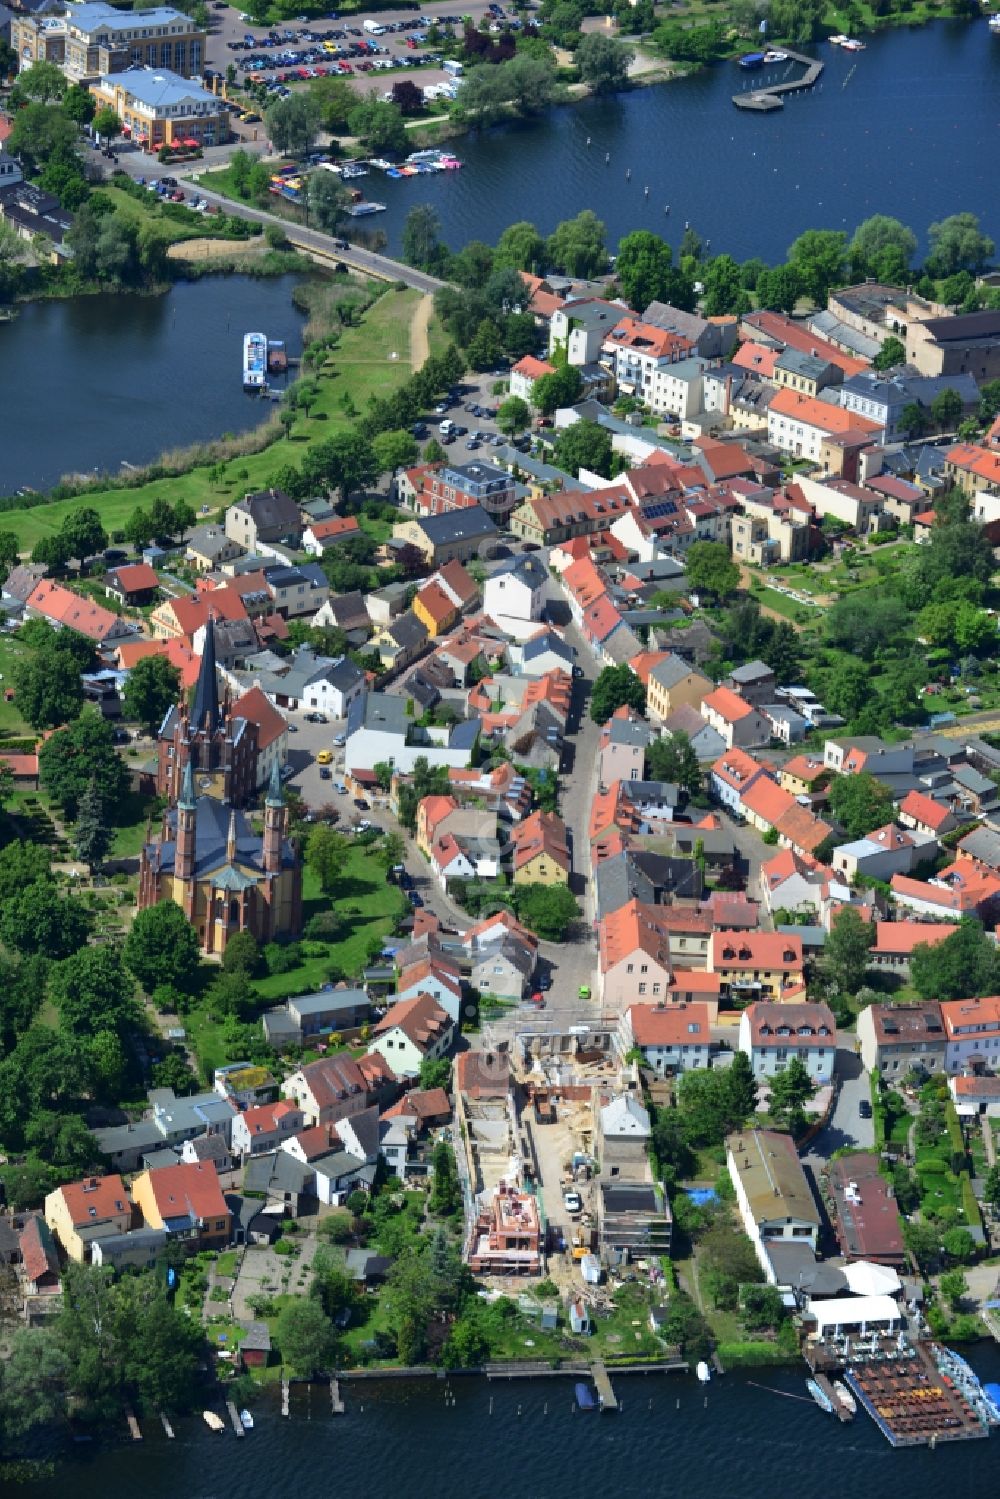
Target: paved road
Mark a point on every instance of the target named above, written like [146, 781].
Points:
[846, 1127]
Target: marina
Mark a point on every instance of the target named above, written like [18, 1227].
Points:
[773, 96]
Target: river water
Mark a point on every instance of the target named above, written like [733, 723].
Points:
[522, 1440]
[87, 382]
[909, 127]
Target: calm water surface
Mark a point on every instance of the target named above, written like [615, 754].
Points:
[88, 382]
[909, 127]
[405, 1439]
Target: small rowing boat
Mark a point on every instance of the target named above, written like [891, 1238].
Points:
[212, 1421]
[822, 1400]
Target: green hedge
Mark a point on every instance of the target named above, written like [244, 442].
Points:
[970, 1204]
[748, 1355]
[955, 1137]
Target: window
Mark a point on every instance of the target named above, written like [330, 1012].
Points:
[642, 988]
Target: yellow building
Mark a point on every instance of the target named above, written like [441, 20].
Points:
[434, 609]
[79, 1212]
[674, 684]
[187, 1201]
[540, 851]
[162, 109]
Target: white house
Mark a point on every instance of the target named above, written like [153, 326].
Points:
[772, 1034]
[413, 1029]
[775, 1202]
[580, 328]
[514, 596]
[433, 977]
[379, 728]
[670, 1037]
[258, 1130]
[882, 853]
[972, 1034]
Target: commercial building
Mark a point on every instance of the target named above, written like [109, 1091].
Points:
[865, 1212]
[93, 40]
[163, 109]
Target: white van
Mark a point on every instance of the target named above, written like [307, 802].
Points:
[446, 426]
[374, 28]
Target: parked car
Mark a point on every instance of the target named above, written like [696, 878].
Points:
[325, 773]
[864, 1108]
[339, 740]
[572, 1202]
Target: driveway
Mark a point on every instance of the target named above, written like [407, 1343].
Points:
[846, 1127]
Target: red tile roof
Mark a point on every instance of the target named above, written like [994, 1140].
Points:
[899, 938]
[337, 525]
[925, 811]
[436, 602]
[421, 1020]
[532, 368]
[94, 1199]
[192, 1187]
[767, 800]
[820, 414]
[135, 577]
[424, 1103]
[541, 833]
[782, 1024]
[64, 607]
[794, 335]
[728, 704]
[767, 951]
[736, 768]
[256, 707]
[670, 1025]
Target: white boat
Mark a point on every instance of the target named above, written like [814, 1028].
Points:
[362, 210]
[821, 1398]
[845, 1396]
[852, 45]
[212, 1421]
[254, 361]
[837, 41]
[246, 1420]
[774, 56]
[995, 24]
[703, 1372]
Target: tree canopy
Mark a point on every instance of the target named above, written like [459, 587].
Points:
[616, 686]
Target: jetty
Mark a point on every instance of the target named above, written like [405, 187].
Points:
[605, 1393]
[234, 1417]
[839, 1408]
[763, 100]
[133, 1426]
[284, 1396]
[336, 1402]
[166, 1425]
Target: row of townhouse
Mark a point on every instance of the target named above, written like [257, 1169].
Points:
[954, 1036]
[672, 1038]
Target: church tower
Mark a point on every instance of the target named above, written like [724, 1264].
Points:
[274, 823]
[187, 818]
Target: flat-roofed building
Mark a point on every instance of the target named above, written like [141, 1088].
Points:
[865, 1212]
[772, 1192]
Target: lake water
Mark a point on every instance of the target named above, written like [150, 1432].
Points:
[406, 1438]
[909, 127]
[87, 382]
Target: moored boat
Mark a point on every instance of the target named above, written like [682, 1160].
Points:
[254, 361]
[995, 25]
[212, 1421]
[774, 56]
[363, 209]
[845, 1397]
[703, 1372]
[585, 1397]
[246, 1420]
[851, 44]
[752, 60]
[822, 1400]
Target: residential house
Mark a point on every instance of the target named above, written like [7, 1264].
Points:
[506, 1235]
[541, 653]
[972, 1034]
[925, 815]
[882, 853]
[80, 1212]
[975, 1094]
[671, 1037]
[434, 976]
[755, 682]
[454, 535]
[208, 548]
[321, 535]
[64, 609]
[706, 743]
[673, 683]
[764, 803]
[757, 965]
[460, 486]
[634, 965]
[307, 1016]
[514, 596]
[296, 591]
[641, 356]
[804, 775]
[897, 1038]
[134, 584]
[624, 740]
[634, 1221]
[795, 883]
[305, 680]
[263, 1128]
[773, 1196]
[738, 724]
[338, 1086]
[504, 969]
[380, 729]
[623, 1135]
[434, 608]
[772, 1034]
[39, 1259]
[713, 337]
[401, 642]
[268, 516]
[798, 424]
[186, 1200]
[525, 373]
[539, 850]
[732, 776]
[895, 941]
[141, 1249]
[413, 1030]
[272, 732]
[579, 328]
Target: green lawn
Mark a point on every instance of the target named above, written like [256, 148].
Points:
[132, 814]
[12, 725]
[369, 907]
[768, 598]
[359, 367]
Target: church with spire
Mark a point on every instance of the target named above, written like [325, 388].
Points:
[208, 859]
[220, 747]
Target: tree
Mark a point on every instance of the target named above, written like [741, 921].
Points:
[378, 124]
[876, 236]
[546, 910]
[644, 268]
[162, 948]
[6, 784]
[847, 948]
[39, 920]
[83, 533]
[584, 445]
[151, 688]
[422, 244]
[578, 247]
[395, 450]
[446, 1190]
[292, 124]
[327, 201]
[326, 851]
[946, 409]
[892, 352]
[521, 247]
[75, 757]
[22, 864]
[959, 1245]
[408, 97]
[779, 289]
[8, 553]
[392, 851]
[335, 98]
[93, 992]
[603, 62]
[957, 244]
[345, 462]
[91, 835]
[561, 388]
[616, 686]
[742, 1088]
[33, 1383]
[913, 419]
[435, 1072]
[964, 966]
[866, 622]
[513, 415]
[791, 1088]
[42, 134]
[819, 257]
[954, 1288]
[860, 803]
[991, 1188]
[710, 569]
[42, 82]
[674, 759]
[730, 1262]
[724, 293]
[48, 686]
[485, 348]
[242, 955]
[106, 123]
[305, 1336]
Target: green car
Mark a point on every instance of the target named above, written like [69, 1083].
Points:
[583, 992]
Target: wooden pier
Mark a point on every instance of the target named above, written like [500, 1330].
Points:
[133, 1427]
[839, 1408]
[234, 1417]
[336, 1402]
[166, 1425]
[284, 1396]
[763, 100]
[605, 1394]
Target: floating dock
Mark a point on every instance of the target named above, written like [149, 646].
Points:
[919, 1396]
[763, 100]
[336, 1402]
[166, 1425]
[605, 1393]
[284, 1396]
[234, 1417]
[839, 1408]
[133, 1427]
